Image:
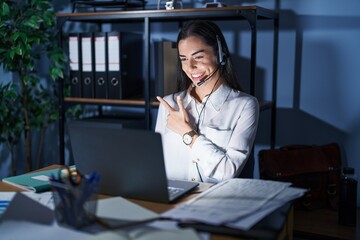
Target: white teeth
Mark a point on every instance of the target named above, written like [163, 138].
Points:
[196, 75]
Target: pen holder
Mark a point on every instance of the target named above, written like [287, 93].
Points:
[75, 205]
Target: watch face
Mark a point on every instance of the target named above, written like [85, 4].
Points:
[187, 139]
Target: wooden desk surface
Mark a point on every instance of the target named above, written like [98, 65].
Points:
[286, 232]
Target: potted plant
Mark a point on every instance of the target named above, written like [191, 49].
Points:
[11, 125]
[28, 35]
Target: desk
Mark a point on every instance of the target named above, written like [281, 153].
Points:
[281, 222]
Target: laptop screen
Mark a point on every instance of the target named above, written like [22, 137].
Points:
[130, 162]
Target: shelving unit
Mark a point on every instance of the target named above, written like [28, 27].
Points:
[115, 4]
[251, 14]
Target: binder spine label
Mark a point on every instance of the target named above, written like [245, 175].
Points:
[114, 76]
[100, 66]
[75, 73]
[87, 66]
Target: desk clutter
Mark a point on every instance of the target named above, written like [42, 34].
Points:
[233, 207]
[32, 216]
[73, 195]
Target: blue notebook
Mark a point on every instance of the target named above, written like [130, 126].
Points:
[35, 181]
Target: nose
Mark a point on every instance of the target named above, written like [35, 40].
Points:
[191, 63]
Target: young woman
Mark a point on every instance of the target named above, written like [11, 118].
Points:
[208, 127]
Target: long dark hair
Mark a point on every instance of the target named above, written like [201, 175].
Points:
[207, 31]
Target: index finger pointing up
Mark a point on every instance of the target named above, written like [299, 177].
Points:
[165, 104]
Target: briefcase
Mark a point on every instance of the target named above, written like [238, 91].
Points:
[313, 167]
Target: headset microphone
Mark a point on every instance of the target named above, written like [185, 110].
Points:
[221, 60]
[202, 81]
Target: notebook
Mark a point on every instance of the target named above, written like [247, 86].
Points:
[35, 181]
[130, 161]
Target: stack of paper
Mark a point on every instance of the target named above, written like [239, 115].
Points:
[236, 203]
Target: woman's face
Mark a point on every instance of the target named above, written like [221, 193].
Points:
[198, 59]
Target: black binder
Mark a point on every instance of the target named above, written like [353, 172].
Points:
[100, 65]
[113, 60]
[87, 55]
[125, 79]
[166, 58]
[75, 61]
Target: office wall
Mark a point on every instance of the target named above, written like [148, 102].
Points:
[318, 75]
[318, 71]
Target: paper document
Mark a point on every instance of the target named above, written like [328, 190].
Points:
[11, 230]
[145, 233]
[45, 198]
[283, 197]
[228, 201]
[236, 203]
[121, 209]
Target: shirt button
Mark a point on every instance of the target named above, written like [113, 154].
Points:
[193, 179]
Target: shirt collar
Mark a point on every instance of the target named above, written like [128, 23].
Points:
[217, 98]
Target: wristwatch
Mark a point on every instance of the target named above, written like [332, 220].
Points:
[188, 137]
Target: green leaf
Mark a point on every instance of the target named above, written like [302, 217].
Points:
[19, 51]
[5, 10]
[15, 36]
[56, 73]
[12, 53]
[33, 22]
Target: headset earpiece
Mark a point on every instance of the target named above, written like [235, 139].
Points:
[221, 54]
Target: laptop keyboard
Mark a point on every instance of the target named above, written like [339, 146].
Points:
[174, 190]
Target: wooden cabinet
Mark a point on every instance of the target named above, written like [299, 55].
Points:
[250, 14]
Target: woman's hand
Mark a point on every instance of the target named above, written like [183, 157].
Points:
[177, 121]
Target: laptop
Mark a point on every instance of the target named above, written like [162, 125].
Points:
[130, 162]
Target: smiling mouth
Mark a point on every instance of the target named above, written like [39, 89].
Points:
[198, 77]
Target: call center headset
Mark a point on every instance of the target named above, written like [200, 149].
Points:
[221, 61]
[221, 54]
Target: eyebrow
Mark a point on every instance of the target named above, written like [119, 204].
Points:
[194, 53]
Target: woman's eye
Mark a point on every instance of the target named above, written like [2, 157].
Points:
[182, 59]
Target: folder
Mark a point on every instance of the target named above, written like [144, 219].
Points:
[35, 182]
[87, 65]
[100, 65]
[74, 57]
[166, 58]
[125, 65]
[113, 55]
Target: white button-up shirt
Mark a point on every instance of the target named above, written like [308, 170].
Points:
[227, 128]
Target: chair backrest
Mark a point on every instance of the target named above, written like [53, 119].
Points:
[248, 171]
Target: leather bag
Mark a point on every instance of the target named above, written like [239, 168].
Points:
[313, 167]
